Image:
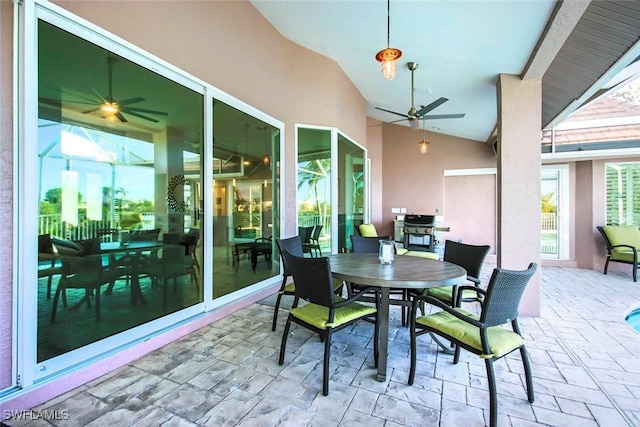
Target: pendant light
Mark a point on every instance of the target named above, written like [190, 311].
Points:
[266, 160]
[390, 55]
[424, 144]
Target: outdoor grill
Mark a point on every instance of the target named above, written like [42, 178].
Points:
[418, 232]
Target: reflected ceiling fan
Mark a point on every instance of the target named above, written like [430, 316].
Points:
[414, 115]
[109, 107]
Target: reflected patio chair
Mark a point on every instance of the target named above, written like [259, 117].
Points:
[169, 262]
[305, 234]
[325, 312]
[48, 262]
[313, 246]
[83, 269]
[482, 335]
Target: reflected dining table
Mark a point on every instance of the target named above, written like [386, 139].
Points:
[406, 271]
[133, 252]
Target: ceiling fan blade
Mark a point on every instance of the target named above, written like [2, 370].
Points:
[121, 117]
[144, 110]
[392, 112]
[443, 116]
[414, 123]
[133, 113]
[435, 104]
[91, 110]
[131, 101]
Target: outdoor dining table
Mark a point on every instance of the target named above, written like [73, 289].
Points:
[134, 250]
[405, 272]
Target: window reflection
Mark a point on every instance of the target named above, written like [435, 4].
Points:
[119, 190]
[244, 199]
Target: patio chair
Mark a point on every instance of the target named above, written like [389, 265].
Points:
[325, 312]
[294, 246]
[482, 335]
[623, 244]
[469, 257]
[313, 246]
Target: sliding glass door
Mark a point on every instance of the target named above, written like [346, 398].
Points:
[331, 187]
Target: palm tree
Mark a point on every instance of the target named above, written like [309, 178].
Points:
[311, 174]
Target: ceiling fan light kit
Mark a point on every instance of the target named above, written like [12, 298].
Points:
[424, 146]
[390, 55]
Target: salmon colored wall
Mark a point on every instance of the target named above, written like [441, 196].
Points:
[415, 181]
[374, 147]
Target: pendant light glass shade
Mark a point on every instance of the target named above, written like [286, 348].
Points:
[390, 55]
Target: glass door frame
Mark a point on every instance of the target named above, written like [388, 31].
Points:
[561, 173]
[26, 370]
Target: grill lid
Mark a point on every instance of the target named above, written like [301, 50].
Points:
[424, 220]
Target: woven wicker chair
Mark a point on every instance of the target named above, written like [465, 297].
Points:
[325, 312]
[294, 246]
[469, 257]
[481, 335]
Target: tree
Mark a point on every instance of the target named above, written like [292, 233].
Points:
[312, 174]
[549, 203]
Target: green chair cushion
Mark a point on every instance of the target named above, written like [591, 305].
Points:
[317, 315]
[501, 341]
[623, 235]
[442, 293]
[622, 254]
[401, 251]
[289, 288]
[368, 230]
[421, 254]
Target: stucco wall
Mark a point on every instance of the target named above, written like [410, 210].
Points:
[415, 181]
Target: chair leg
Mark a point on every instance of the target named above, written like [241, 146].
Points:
[606, 265]
[97, 304]
[493, 396]
[283, 343]
[635, 271]
[456, 354]
[412, 330]
[275, 312]
[325, 365]
[527, 373]
[54, 308]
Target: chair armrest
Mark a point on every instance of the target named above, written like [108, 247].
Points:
[358, 296]
[467, 287]
[451, 310]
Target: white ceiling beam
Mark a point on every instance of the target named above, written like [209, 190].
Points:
[560, 25]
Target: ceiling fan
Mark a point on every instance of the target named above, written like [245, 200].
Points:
[109, 107]
[414, 115]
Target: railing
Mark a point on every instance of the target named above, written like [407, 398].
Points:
[549, 221]
[53, 225]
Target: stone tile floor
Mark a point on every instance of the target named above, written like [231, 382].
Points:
[585, 360]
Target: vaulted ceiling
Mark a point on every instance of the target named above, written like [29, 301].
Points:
[578, 48]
